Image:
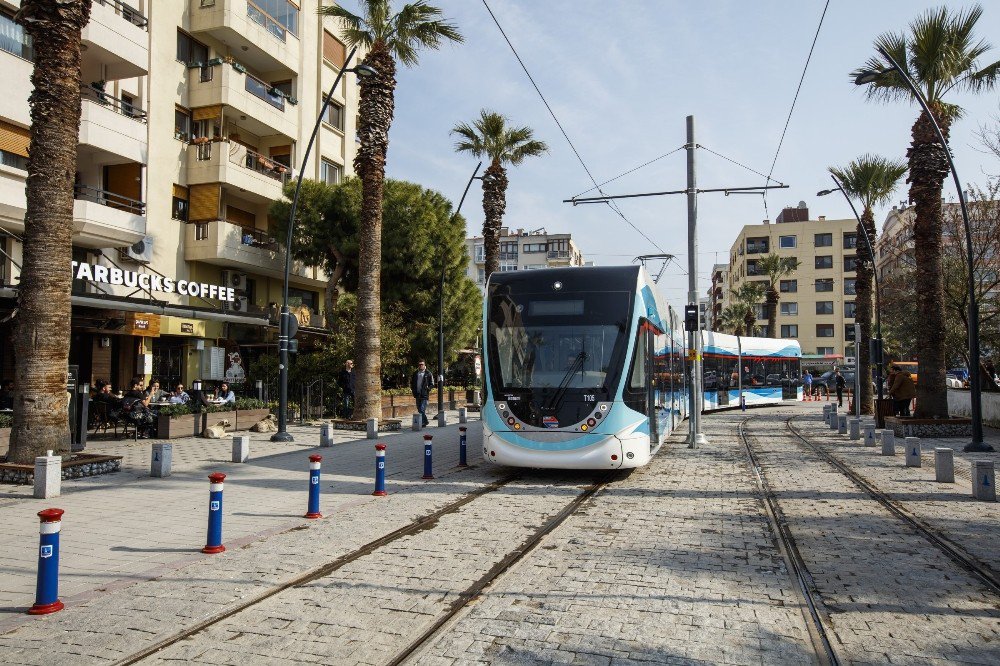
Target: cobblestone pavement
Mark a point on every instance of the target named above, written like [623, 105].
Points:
[889, 595]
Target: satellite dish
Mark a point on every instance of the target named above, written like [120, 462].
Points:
[802, 204]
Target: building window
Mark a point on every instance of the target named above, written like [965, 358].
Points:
[789, 330]
[508, 268]
[752, 267]
[534, 267]
[190, 50]
[329, 172]
[851, 263]
[275, 16]
[334, 51]
[824, 240]
[182, 125]
[824, 331]
[761, 310]
[786, 241]
[824, 351]
[850, 241]
[824, 285]
[480, 254]
[849, 333]
[849, 288]
[334, 115]
[535, 247]
[789, 286]
[824, 261]
[850, 307]
[790, 309]
[179, 209]
[824, 307]
[13, 38]
[481, 277]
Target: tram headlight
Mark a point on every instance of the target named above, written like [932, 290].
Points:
[591, 422]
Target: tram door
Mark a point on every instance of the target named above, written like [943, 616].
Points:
[640, 392]
[651, 406]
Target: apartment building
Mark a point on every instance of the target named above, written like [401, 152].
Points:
[717, 296]
[195, 114]
[817, 300]
[522, 250]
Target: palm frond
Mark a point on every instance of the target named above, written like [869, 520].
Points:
[355, 29]
[871, 178]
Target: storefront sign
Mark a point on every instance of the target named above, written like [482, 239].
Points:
[187, 328]
[142, 324]
[150, 282]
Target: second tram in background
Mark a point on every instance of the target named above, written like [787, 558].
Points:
[586, 368]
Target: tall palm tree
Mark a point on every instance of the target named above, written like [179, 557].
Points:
[41, 340]
[871, 179]
[387, 36]
[940, 54]
[731, 318]
[775, 268]
[748, 297]
[490, 137]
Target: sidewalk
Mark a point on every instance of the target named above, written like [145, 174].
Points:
[127, 527]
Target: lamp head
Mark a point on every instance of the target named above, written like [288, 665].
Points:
[364, 71]
[823, 193]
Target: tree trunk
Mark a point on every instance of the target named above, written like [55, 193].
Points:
[42, 336]
[772, 311]
[863, 311]
[928, 169]
[332, 290]
[375, 112]
[748, 323]
[494, 205]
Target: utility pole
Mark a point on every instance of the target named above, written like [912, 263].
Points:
[695, 437]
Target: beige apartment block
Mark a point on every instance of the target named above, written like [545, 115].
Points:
[195, 113]
[816, 303]
[522, 250]
[717, 296]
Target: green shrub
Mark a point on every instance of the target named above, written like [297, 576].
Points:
[6, 421]
[249, 403]
[174, 410]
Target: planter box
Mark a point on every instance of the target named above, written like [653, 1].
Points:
[75, 466]
[181, 425]
[932, 428]
[246, 418]
[4, 440]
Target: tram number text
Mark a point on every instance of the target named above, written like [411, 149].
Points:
[589, 397]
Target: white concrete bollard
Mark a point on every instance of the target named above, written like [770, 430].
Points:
[984, 481]
[842, 424]
[326, 434]
[944, 465]
[869, 431]
[855, 428]
[241, 448]
[48, 476]
[477, 398]
[463, 415]
[826, 414]
[418, 423]
[442, 419]
[888, 442]
[372, 428]
[913, 452]
[834, 417]
[162, 461]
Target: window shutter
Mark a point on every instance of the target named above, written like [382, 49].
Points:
[244, 218]
[14, 139]
[205, 202]
[181, 192]
[206, 112]
[334, 50]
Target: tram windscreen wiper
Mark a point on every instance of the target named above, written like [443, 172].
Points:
[557, 397]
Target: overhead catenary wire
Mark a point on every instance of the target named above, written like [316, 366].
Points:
[633, 170]
[612, 205]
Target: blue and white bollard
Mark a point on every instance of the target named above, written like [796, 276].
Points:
[428, 472]
[214, 544]
[313, 510]
[379, 471]
[743, 402]
[462, 442]
[47, 588]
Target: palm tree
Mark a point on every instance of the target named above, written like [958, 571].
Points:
[871, 179]
[731, 318]
[387, 36]
[748, 297]
[775, 268]
[940, 54]
[491, 138]
[41, 340]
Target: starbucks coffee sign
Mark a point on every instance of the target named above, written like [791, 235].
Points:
[117, 276]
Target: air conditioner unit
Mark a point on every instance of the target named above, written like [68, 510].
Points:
[241, 304]
[237, 281]
[140, 252]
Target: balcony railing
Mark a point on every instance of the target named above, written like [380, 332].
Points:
[257, 238]
[756, 248]
[14, 40]
[262, 165]
[118, 106]
[259, 16]
[558, 254]
[508, 256]
[262, 90]
[127, 12]
[106, 198]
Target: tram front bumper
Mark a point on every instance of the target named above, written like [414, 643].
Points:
[606, 452]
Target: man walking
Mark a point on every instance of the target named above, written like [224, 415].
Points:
[420, 386]
[840, 383]
[345, 380]
[807, 385]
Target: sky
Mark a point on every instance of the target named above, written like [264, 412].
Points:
[622, 76]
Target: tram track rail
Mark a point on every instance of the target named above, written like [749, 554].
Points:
[804, 586]
[979, 570]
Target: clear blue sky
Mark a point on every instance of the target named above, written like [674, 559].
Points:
[622, 75]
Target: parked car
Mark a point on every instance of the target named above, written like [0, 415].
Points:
[826, 380]
[961, 374]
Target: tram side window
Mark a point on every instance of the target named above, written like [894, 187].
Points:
[636, 394]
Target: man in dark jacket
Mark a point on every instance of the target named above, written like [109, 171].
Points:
[420, 386]
[345, 380]
[839, 381]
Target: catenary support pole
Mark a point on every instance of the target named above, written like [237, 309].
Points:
[695, 437]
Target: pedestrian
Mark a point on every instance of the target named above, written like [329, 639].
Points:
[840, 383]
[345, 380]
[807, 384]
[420, 386]
[902, 391]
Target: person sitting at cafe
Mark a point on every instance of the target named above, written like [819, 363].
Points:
[105, 395]
[7, 394]
[224, 394]
[136, 406]
[155, 393]
[179, 396]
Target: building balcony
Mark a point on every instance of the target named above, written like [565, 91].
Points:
[258, 178]
[113, 127]
[17, 84]
[559, 256]
[117, 39]
[104, 219]
[249, 250]
[263, 42]
[270, 113]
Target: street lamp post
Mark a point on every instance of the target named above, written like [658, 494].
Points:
[441, 304]
[975, 380]
[879, 416]
[284, 320]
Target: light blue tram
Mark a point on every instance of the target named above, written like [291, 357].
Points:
[585, 368]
